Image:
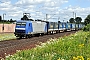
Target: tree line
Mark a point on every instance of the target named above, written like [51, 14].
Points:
[6, 21]
[78, 20]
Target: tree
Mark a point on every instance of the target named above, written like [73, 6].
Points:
[0, 18]
[78, 20]
[71, 20]
[87, 20]
[11, 20]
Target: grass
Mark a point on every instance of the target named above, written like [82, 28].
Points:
[7, 36]
[73, 47]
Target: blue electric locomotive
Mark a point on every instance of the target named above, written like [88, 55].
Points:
[28, 28]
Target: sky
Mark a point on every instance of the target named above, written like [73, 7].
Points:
[56, 10]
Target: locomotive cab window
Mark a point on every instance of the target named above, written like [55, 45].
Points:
[18, 23]
[21, 24]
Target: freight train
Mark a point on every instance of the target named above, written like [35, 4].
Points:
[27, 29]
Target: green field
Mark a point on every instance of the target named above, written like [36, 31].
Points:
[7, 36]
[73, 47]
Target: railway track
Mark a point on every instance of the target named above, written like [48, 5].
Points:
[10, 47]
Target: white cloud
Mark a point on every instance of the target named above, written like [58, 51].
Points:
[39, 8]
[31, 2]
[80, 12]
[29, 6]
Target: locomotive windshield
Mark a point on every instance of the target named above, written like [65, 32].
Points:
[21, 23]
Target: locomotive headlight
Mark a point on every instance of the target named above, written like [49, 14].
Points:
[29, 32]
[51, 26]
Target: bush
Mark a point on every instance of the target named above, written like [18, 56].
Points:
[87, 28]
